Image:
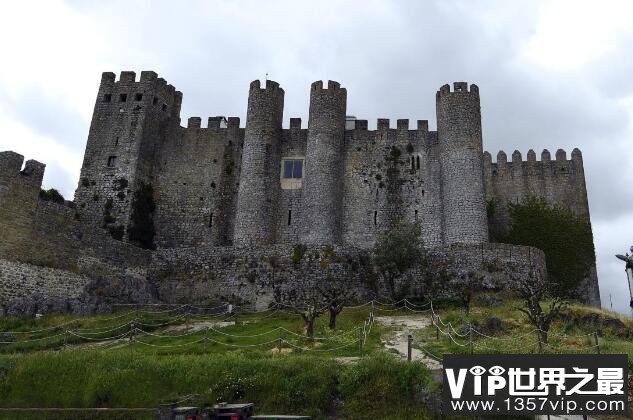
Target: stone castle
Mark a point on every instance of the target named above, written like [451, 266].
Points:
[146, 180]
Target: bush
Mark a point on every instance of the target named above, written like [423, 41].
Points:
[141, 230]
[381, 384]
[298, 252]
[52, 195]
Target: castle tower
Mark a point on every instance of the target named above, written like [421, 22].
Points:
[461, 150]
[323, 167]
[129, 121]
[259, 181]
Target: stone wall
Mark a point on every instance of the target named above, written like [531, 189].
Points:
[253, 276]
[560, 181]
[26, 285]
[196, 184]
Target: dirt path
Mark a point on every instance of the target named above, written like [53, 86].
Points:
[407, 325]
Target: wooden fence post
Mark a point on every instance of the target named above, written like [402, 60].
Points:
[470, 337]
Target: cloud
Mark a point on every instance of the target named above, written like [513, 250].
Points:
[552, 74]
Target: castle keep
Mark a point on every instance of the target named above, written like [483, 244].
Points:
[227, 187]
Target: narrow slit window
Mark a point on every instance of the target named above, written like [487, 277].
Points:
[417, 159]
[375, 217]
[416, 215]
[422, 193]
[211, 220]
[412, 163]
[154, 101]
[111, 161]
[164, 107]
[116, 141]
[289, 217]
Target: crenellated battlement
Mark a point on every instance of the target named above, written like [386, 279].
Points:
[213, 123]
[458, 87]
[332, 87]
[560, 157]
[149, 89]
[11, 167]
[10, 164]
[269, 85]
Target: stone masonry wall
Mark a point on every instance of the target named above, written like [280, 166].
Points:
[251, 275]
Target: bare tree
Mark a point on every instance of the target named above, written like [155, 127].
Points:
[539, 303]
[466, 285]
[336, 295]
[306, 301]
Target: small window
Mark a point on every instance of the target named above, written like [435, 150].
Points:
[416, 215]
[116, 141]
[155, 101]
[293, 168]
[138, 97]
[107, 97]
[422, 193]
[164, 107]
[211, 220]
[375, 217]
[123, 97]
[289, 217]
[111, 161]
[417, 158]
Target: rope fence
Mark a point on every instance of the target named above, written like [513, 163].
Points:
[209, 325]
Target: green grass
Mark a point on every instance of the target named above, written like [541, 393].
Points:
[252, 333]
[566, 336]
[303, 378]
[299, 384]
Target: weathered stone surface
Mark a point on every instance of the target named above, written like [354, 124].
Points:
[220, 186]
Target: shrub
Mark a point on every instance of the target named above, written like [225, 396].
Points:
[52, 195]
[141, 230]
[298, 253]
[564, 237]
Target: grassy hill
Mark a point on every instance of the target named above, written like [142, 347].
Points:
[141, 358]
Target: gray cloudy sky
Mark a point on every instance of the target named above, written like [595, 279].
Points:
[552, 74]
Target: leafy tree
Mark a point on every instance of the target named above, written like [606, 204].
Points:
[563, 236]
[397, 251]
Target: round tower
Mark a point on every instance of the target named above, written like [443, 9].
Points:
[461, 151]
[259, 179]
[323, 165]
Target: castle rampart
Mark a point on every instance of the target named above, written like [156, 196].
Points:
[220, 191]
